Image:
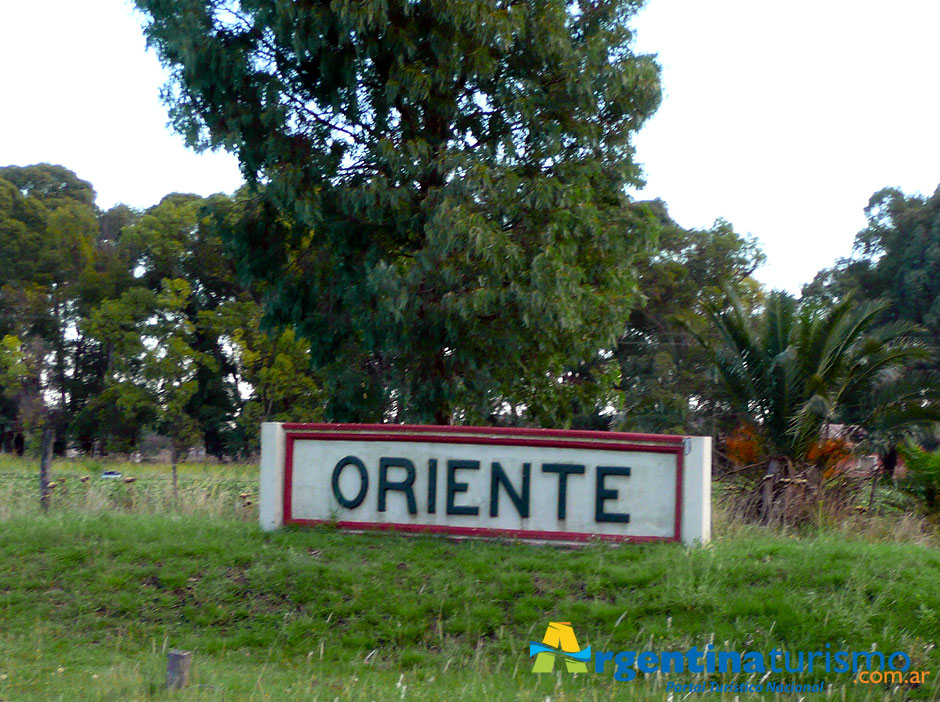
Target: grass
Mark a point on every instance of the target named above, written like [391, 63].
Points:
[94, 593]
[210, 490]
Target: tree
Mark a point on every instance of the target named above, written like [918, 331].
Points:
[923, 476]
[53, 185]
[13, 372]
[153, 375]
[275, 370]
[438, 187]
[174, 240]
[797, 368]
[12, 367]
[109, 273]
[47, 231]
[117, 322]
[897, 258]
[181, 339]
[666, 378]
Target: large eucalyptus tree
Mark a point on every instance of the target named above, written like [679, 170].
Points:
[439, 185]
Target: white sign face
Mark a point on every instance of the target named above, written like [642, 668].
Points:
[475, 481]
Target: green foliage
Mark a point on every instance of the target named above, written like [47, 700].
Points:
[13, 374]
[897, 259]
[798, 367]
[151, 374]
[47, 230]
[12, 367]
[923, 475]
[275, 365]
[666, 379]
[117, 416]
[218, 373]
[50, 184]
[439, 203]
[115, 323]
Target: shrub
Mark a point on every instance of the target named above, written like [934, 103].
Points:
[923, 476]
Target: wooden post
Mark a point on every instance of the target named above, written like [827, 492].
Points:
[48, 439]
[178, 664]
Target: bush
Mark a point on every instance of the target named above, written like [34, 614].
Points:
[923, 476]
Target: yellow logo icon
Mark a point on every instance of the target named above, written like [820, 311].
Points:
[559, 641]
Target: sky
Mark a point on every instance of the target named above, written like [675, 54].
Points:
[785, 118]
[79, 88]
[782, 118]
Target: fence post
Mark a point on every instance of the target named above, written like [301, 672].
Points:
[178, 664]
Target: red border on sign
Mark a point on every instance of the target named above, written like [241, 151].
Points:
[510, 436]
[507, 431]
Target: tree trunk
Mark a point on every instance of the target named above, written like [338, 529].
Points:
[889, 461]
[60, 356]
[767, 490]
[438, 378]
[48, 439]
[876, 474]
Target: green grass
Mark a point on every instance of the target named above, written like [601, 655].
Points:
[92, 595]
[210, 490]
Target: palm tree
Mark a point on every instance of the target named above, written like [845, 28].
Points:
[795, 368]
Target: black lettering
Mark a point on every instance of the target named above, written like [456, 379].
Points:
[363, 482]
[563, 470]
[498, 477]
[432, 485]
[406, 486]
[453, 487]
[602, 494]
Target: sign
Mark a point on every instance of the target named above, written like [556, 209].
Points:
[538, 484]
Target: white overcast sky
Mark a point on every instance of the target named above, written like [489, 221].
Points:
[782, 118]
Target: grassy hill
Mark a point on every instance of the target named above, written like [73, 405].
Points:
[93, 594]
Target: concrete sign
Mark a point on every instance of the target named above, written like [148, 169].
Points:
[536, 484]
